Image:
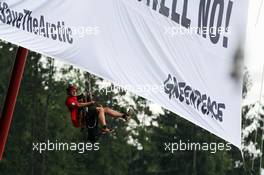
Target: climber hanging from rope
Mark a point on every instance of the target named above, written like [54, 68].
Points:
[98, 111]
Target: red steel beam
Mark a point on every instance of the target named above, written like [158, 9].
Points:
[10, 100]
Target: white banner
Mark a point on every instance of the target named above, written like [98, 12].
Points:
[183, 48]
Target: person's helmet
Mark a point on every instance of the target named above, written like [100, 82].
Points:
[70, 88]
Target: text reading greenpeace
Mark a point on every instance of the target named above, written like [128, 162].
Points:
[38, 26]
[194, 98]
[63, 146]
[210, 15]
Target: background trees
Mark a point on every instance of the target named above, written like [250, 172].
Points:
[136, 148]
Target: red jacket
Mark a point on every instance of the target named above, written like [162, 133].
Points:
[73, 104]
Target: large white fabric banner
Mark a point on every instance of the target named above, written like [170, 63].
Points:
[176, 53]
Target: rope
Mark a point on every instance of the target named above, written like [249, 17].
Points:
[259, 11]
[261, 89]
[91, 127]
[89, 84]
[244, 162]
[260, 163]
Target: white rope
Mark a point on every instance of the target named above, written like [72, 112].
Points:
[259, 12]
[261, 90]
[261, 148]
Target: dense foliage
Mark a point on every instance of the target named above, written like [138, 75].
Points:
[136, 148]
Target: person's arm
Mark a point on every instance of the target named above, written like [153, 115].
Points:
[85, 104]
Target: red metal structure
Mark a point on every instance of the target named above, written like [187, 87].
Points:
[10, 101]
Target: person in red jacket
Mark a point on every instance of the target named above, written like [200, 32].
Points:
[73, 105]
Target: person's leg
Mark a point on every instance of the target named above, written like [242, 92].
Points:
[101, 116]
[113, 113]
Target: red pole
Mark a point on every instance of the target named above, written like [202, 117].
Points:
[10, 101]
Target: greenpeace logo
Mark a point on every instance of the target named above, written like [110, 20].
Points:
[38, 26]
[186, 94]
